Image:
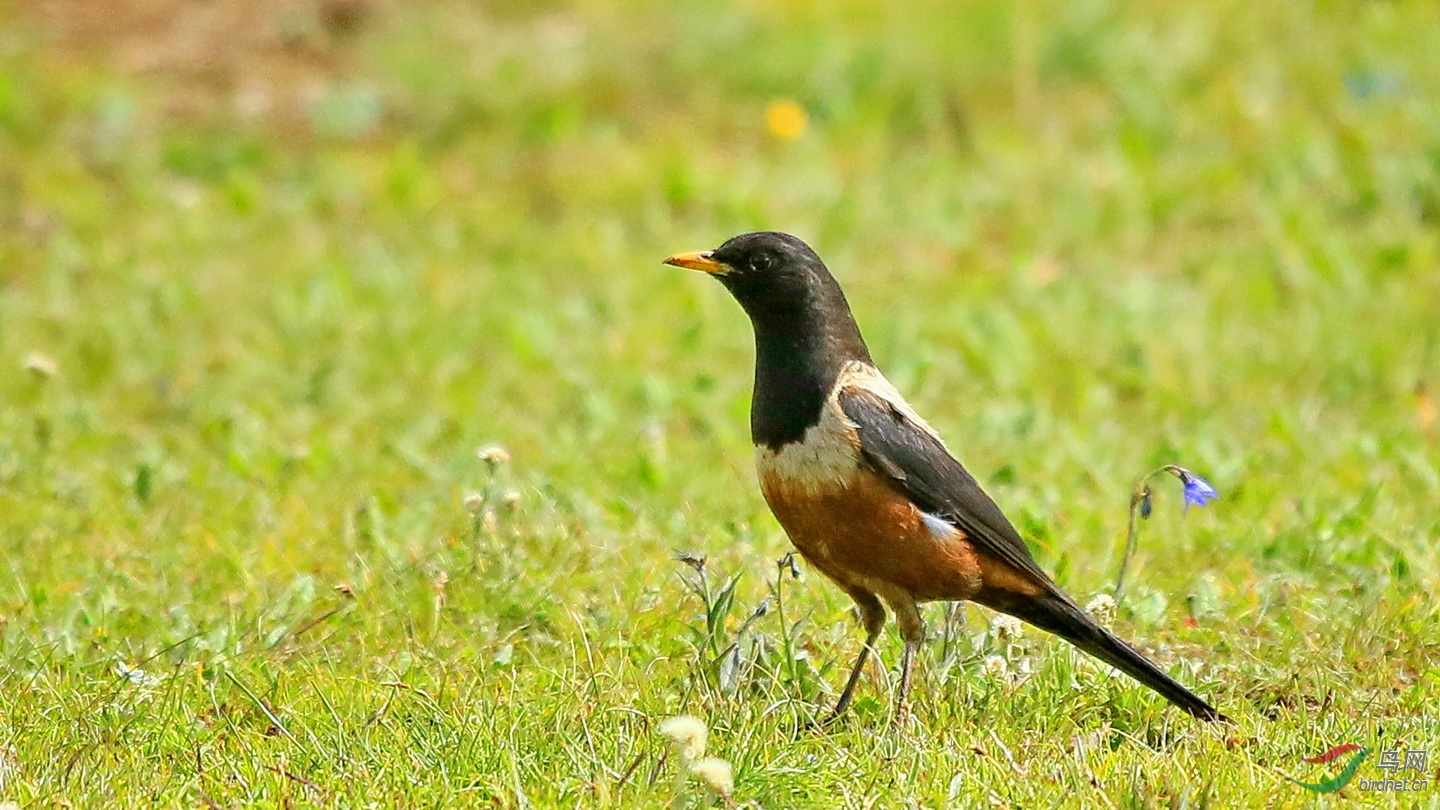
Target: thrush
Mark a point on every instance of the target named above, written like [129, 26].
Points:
[866, 490]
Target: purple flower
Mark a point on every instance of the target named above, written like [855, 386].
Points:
[1197, 490]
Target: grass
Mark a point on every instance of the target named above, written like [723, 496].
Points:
[245, 369]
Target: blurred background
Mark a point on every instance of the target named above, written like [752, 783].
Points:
[271, 272]
[347, 222]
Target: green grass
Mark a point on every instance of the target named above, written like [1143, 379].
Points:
[1085, 239]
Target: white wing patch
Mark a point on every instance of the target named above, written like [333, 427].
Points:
[939, 527]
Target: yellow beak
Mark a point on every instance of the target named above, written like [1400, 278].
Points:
[699, 260]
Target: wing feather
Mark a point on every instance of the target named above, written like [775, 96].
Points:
[917, 464]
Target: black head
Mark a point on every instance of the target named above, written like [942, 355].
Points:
[804, 332]
[782, 285]
[771, 271]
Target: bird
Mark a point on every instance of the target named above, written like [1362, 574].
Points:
[866, 490]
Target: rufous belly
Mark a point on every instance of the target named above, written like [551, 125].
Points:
[861, 533]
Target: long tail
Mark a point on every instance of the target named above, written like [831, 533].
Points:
[1057, 614]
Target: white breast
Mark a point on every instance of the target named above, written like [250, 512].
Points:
[829, 453]
[823, 460]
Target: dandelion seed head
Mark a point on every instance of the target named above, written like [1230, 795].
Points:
[688, 734]
[717, 774]
[493, 455]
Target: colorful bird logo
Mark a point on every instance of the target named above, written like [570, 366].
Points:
[1341, 779]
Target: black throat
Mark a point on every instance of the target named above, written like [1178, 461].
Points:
[803, 339]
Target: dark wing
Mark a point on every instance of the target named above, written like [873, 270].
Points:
[920, 467]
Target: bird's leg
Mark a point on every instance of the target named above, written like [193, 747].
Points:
[872, 615]
[912, 629]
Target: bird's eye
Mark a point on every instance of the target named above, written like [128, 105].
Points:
[760, 263]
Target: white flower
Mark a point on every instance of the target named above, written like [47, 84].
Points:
[1006, 628]
[40, 365]
[688, 734]
[135, 675]
[511, 499]
[1101, 608]
[474, 502]
[996, 666]
[716, 773]
[493, 455]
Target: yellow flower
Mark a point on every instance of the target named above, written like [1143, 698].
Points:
[785, 119]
